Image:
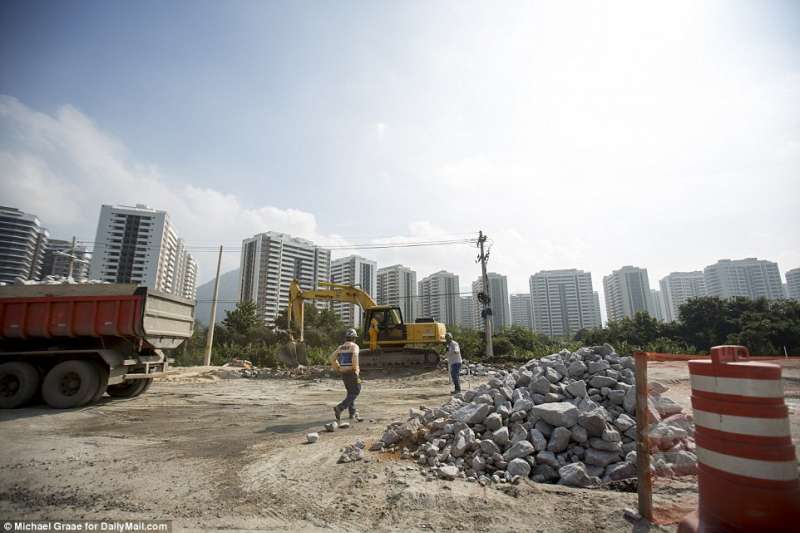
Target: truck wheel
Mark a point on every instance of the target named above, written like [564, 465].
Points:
[102, 372]
[19, 382]
[129, 389]
[70, 384]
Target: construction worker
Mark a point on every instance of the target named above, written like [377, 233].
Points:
[453, 361]
[373, 335]
[345, 361]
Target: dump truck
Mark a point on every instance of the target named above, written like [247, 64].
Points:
[399, 343]
[71, 344]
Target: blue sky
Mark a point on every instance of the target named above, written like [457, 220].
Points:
[582, 135]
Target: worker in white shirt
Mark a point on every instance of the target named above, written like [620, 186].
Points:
[453, 361]
[345, 361]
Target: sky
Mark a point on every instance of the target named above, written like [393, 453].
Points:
[584, 135]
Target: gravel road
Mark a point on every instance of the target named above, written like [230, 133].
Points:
[211, 453]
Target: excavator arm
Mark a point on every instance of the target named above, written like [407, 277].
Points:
[335, 292]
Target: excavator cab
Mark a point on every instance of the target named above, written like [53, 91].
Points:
[389, 320]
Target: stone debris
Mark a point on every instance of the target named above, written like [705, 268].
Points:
[312, 437]
[331, 427]
[352, 452]
[567, 418]
[344, 425]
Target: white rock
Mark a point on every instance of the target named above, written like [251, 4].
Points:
[577, 388]
[557, 414]
[449, 472]
[522, 448]
[559, 440]
[312, 437]
[472, 413]
[493, 422]
[575, 475]
[518, 467]
[500, 436]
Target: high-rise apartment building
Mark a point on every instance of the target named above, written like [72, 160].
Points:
[677, 288]
[563, 302]
[521, 312]
[23, 241]
[468, 316]
[185, 273]
[751, 278]
[598, 316]
[793, 284]
[138, 244]
[57, 260]
[627, 292]
[356, 271]
[439, 297]
[269, 263]
[498, 294]
[656, 305]
[397, 285]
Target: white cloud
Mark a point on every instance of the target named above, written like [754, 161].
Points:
[62, 167]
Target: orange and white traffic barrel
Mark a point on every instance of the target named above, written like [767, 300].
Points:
[747, 469]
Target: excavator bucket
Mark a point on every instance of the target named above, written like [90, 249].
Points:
[288, 354]
[293, 354]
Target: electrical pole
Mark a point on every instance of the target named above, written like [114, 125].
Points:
[210, 334]
[71, 257]
[487, 309]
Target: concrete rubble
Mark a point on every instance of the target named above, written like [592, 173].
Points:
[352, 453]
[567, 418]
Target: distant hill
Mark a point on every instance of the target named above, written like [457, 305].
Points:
[228, 296]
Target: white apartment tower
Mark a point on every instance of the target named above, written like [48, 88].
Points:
[439, 297]
[751, 278]
[627, 292]
[185, 273]
[677, 288]
[656, 305]
[521, 312]
[793, 284]
[563, 302]
[23, 242]
[359, 272]
[137, 244]
[498, 293]
[269, 263]
[467, 317]
[397, 285]
[598, 317]
[56, 260]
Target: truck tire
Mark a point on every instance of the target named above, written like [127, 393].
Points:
[102, 372]
[129, 389]
[19, 382]
[70, 383]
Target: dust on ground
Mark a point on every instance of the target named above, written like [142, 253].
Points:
[210, 452]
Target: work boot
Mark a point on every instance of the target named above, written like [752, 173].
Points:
[356, 417]
[338, 413]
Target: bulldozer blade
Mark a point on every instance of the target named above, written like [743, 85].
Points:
[288, 354]
[398, 358]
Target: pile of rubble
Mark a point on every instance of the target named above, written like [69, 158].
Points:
[567, 418]
[301, 372]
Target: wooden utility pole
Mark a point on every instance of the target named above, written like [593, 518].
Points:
[213, 320]
[645, 480]
[487, 309]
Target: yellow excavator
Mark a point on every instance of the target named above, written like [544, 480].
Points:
[398, 343]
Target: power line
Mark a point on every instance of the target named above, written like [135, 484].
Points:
[469, 293]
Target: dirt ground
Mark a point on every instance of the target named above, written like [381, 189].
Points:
[212, 454]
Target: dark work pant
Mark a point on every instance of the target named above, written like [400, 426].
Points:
[455, 373]
[353, 390]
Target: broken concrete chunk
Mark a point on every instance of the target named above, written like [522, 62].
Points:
[557, 414]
